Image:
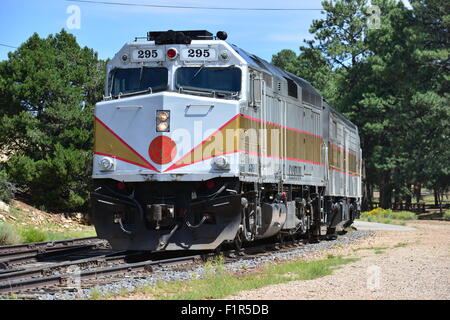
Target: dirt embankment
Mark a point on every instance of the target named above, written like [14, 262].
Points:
[392, 265]
[20, 213]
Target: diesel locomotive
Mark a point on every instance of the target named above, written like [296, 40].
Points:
[199, 143]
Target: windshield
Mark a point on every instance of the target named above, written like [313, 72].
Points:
[209, 79]
[138, 79]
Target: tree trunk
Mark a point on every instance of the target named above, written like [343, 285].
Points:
[367, 189]
[436, 197]
[397, 200]
[367, 197]
[408, 199]
[385, 192]
[417, 192]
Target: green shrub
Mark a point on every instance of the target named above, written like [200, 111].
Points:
[59, 82]
[404, 215]
[446, 215]
[33, 235]
[9, 235]
[60, 181]
[7, 189]
[380, 215]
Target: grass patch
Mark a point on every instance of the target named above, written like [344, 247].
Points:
[387, 216]
[403, 215]
[33, 235]
[37, 235]
[371, 248]
[23, 229]
[96, 294]
[9, 235]
[219, 283]
[446, 215]
[400, 244]
[380, 250]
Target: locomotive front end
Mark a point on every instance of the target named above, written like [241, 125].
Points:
[166, 160]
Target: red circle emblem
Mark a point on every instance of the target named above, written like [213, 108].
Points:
[162, 150]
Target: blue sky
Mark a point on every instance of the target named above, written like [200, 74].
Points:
[106, 28]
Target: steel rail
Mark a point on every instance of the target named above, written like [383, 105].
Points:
[15, 286]
[22, 258]
[113, 257]
[44, 246]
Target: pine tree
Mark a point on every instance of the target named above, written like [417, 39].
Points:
[48, 88]
[392, 81]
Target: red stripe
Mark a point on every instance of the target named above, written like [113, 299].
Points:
[352, 174]
[150, 166]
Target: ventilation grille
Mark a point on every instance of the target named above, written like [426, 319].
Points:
[267, 79]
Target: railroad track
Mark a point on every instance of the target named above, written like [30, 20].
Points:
[41, 247]
[18, 255]
[10, 284]
[107, 265]
[37, 266]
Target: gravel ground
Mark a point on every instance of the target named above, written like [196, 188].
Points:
[412, 265]
[309, 251]
[392, 265]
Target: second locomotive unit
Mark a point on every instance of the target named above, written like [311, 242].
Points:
[200, 143]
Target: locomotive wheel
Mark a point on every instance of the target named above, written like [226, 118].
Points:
[218, 251]
[239, 240]
[249, 222]
[332, 235]
[279, 242]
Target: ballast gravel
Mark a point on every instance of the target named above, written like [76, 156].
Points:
[171, 274]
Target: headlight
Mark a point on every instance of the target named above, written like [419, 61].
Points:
[162, 121]
[162, 126]
[163, 116]
[106, 164]
[220, 163]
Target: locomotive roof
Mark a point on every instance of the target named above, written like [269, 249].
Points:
[260, 63]
[342, 117]
[169, 37]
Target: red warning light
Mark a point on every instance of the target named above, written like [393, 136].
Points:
[162, 150]
[172, 53]
[210, 184]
